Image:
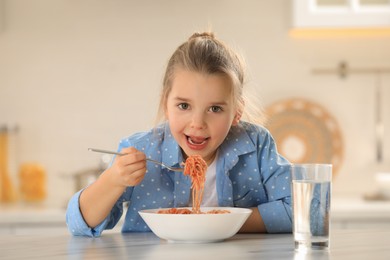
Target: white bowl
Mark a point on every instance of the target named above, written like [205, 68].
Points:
[196, 228]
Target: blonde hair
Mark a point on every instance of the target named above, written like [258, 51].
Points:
[203, 53]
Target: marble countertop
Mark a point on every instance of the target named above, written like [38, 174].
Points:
[355, 244]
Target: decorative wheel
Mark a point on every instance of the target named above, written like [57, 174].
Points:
[305, 132]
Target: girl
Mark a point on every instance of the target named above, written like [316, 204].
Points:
[202, 104]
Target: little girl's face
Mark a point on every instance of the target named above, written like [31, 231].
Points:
[200, 112]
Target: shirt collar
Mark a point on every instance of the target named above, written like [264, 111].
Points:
[237, 141]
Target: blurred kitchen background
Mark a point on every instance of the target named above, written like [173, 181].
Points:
[80, 74]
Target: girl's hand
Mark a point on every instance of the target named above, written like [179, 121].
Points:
[128, 169]
[97, 200]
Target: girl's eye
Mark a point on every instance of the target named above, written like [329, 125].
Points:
[215, 109]
[183, 106]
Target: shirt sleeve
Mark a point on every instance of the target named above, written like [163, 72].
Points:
[77, 225]
[276, 213]
[74, 218]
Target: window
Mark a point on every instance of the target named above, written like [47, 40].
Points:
[341, 14]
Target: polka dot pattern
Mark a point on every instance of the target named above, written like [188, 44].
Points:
[250, 173]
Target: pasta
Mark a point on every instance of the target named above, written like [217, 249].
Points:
[174, 211]
[195, 167]
[184, 211]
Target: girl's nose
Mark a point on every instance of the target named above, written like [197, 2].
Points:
[198, 121]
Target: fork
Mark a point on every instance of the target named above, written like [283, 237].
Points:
[148, 159]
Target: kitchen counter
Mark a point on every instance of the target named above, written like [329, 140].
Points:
[347, 213]
[345, 244]
[357, 212]
[31, 219]
[30, 214]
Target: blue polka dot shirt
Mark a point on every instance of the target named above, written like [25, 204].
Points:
[250, 173]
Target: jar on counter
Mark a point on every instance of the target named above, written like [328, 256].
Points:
[32, 177]
[8, 191]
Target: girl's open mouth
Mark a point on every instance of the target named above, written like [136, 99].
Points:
[196, 143]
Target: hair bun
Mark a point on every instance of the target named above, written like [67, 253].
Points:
[202, 35]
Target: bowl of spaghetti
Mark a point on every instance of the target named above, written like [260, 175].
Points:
[196, 223]
[211, 224]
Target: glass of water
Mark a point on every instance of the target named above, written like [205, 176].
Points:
[311, 195]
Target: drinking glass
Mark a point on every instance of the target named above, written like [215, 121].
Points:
[311, 197]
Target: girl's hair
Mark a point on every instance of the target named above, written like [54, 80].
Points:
[203, 53]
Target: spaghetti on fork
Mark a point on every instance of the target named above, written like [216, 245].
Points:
[195, 167]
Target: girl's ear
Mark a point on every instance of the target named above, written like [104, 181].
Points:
[237, 118]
